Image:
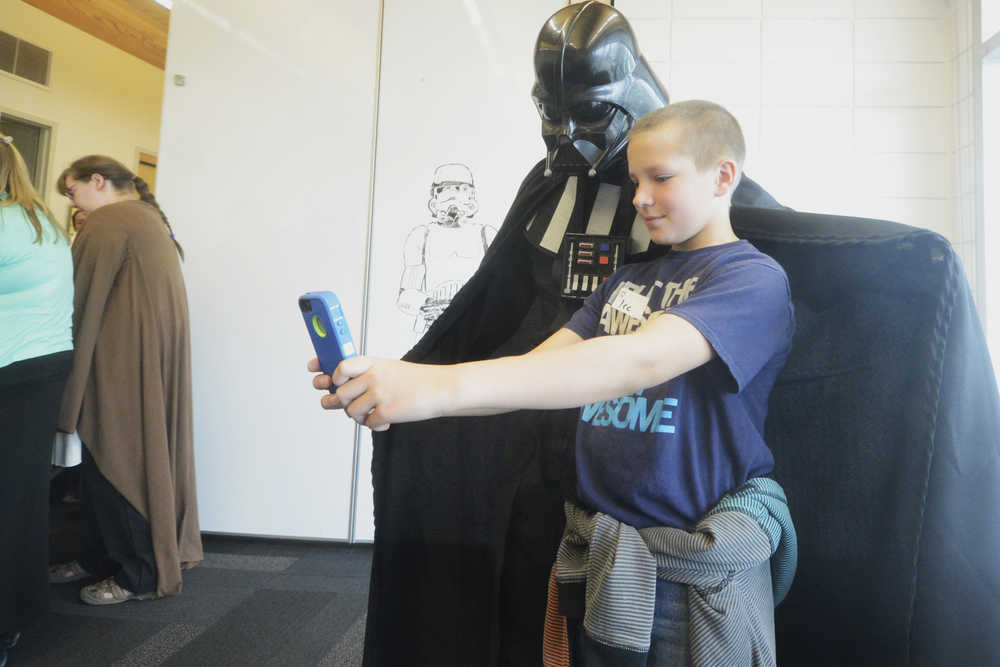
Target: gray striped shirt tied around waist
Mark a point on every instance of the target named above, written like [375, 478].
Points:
[738, 563]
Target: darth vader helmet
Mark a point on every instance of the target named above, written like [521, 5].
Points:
[591, 86]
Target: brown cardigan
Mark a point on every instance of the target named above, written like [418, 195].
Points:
[129, 396]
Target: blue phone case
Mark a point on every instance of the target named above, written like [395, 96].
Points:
[327, 328]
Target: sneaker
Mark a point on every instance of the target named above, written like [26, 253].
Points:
[109, 592]
[63, 573]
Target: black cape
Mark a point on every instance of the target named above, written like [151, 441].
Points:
[885, 427]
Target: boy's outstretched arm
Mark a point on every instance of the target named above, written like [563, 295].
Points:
[560, 338]
[564, 371]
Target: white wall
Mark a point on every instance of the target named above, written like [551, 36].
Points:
[463, 99]
[265, 168]
[846, 104]
[100, 99]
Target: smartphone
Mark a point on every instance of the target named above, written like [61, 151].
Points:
[331, 338]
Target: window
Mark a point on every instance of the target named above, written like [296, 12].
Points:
[24, 59]
[32, 141]
[989, 19]
[990, 142]
[8, 51]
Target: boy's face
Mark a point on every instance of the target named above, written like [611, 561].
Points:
[680, 204]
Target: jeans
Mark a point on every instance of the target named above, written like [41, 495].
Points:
[669, 643]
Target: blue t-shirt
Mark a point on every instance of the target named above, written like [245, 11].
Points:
[36, 288]
[665, 455]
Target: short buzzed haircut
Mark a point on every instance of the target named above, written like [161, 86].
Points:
[710, 132]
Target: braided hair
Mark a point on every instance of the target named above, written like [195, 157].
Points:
[146, 195]
[121, 178]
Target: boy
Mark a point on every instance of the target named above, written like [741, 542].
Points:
[672, 362]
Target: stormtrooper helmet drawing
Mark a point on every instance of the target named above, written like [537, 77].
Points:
[453, 194]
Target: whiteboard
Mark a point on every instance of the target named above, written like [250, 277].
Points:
[264, 172]
[455, 85]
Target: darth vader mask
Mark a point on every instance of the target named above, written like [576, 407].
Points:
[591, 85]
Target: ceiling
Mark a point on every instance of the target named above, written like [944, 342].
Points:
[138, 27]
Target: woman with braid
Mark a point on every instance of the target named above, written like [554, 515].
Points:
[129, 394]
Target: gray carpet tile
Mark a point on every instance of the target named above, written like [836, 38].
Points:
[349, 651]
[322, 634]
[68, 641]
[252, 602]
[204, 578]
[230, 544]
[155, 650]
[247, 562]
[261, 629]
[339, 561]
[350, 586]
[202, 605]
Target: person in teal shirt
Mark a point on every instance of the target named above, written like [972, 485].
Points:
[36, 356]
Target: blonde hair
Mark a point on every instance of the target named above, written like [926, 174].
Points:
[710, 132]
[120, 177]
[14, 179]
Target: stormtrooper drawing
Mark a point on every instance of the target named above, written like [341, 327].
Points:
[439, 257]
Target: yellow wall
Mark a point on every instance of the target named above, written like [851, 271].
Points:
[99, 100]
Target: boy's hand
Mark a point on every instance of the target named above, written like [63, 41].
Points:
[377, 392]
[324, 382]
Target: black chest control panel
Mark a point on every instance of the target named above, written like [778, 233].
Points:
[586, 261]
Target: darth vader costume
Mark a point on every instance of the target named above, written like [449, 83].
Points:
[468, 511]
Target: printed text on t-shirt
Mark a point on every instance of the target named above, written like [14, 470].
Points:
[634, 413]
[617, 319]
